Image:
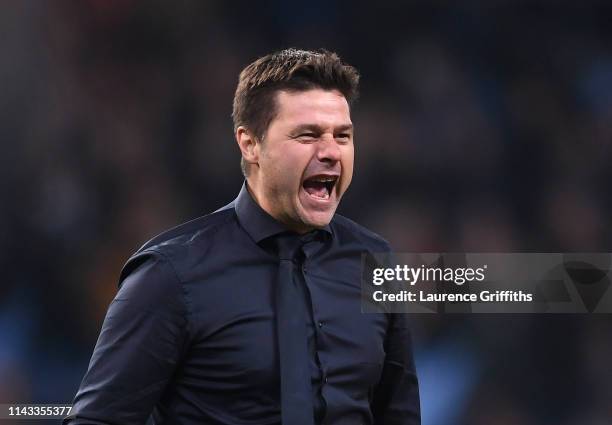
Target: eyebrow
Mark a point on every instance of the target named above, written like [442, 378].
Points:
[318, 129]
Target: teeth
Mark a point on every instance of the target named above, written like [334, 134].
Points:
[325, 179]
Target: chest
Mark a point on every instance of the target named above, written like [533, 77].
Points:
[234, 329]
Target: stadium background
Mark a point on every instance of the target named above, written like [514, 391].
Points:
[482, 126]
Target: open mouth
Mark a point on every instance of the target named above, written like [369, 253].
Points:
[320, 186]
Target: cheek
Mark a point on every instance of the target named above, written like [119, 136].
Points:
[287, 162]
[295, 157]
[348, 157]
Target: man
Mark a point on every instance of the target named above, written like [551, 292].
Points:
[251, 315]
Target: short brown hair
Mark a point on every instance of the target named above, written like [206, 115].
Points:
[289, 70]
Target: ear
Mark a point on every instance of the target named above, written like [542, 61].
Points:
[248, 145]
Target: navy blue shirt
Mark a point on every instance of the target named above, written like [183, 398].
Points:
[190, 337]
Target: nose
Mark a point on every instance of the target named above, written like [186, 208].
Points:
[328, 149]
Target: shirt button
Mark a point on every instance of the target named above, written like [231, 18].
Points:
[320, 324]
[325, 379]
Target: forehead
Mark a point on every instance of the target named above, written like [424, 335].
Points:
[316, 106]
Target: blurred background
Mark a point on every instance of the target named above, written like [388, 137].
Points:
[483, 126]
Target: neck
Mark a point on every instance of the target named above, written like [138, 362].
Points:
[259, 199]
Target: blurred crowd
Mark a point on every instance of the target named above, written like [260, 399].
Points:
[482, 126]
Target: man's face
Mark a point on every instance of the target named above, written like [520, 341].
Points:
[306, 159]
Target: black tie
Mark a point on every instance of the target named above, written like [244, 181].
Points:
[296, 387]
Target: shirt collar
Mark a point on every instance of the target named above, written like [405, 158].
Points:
[258, 223]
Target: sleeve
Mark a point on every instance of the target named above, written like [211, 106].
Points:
[396, 397]
[138, 348]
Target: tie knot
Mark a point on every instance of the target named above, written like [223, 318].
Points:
[288, 245]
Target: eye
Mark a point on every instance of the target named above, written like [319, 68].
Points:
[344, 137]
[307, 137]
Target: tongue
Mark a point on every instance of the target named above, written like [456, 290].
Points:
[315, 188]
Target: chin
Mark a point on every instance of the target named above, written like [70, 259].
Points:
[314, 217]
[317, 220]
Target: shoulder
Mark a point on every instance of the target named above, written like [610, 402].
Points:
[180, 241]
[348, 231]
